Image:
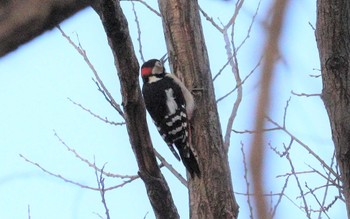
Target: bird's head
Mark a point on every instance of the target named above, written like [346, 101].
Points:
[152, 67]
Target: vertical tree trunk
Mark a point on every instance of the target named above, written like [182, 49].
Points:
[211, 196]
[333, 40]
[117, 31]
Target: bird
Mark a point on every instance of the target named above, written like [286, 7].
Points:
[170, 105]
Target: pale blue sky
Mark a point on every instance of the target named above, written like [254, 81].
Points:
[37, 78]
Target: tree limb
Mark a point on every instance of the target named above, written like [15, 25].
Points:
[21, 21]
[116, 28]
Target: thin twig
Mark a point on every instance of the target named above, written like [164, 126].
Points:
[211, 20]
[274, 149]
[95, 115]
[138, 31]
[82, 52]
[268, 195]
[73, 182]
[318, 201]
[147, 6]
[57, 175]
[238, 7]
[170, 168]
[285, 113]
[28, 211]
[250, 27]
[236, 104]
[305, 95]
[299, 185]
[280, 197]
[92, 164]
[318, 188]
[254, 131]
[304, 146]
[101, 187]
[294, 173]
[247, 181]
[110, 101]
[242, 82]
[223, 68]
[327, 178]
[328, 183]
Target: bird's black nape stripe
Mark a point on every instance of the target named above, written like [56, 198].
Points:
[162, 75]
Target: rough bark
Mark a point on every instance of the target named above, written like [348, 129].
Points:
[211, 196]
[116, 28]
[333, 40]
[21, 21]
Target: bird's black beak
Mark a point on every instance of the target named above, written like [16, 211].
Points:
[164, 58]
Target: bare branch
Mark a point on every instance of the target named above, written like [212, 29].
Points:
[312, 26]
[110, 101]
[57, 175]
[239, 4]
[242, 82]
[21, 21]
[98, 215]
[170, 168]
[318, 201]
[236, 73]
[28, 211]
[315, 76]
[76, 183]
[328, 183]
[250, 27]
[95, 115]
[257, 152]
[101, 187]
[305, 95]
[304, 146]
[255, 131]
[145, 4]
[116, 28]
[269, 195]
[90, 164]
[299, 186]
[138, 31]
[222, 69]
[281, 194]
[82, 52]
[286, 149]
[210, 20]
[285, 112]
[247, 181]
[327, 178]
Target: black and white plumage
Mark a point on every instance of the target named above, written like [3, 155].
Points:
[170, 105]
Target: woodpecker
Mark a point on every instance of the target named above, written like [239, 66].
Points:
[170, 105]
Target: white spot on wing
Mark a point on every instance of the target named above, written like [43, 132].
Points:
[187, 95]
[170, 101]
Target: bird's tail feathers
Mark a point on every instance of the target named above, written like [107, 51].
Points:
[190, 161]
[174, 152]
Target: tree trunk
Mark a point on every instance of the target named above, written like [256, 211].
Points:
[211, 196]
[333, 40]
[117, 31]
